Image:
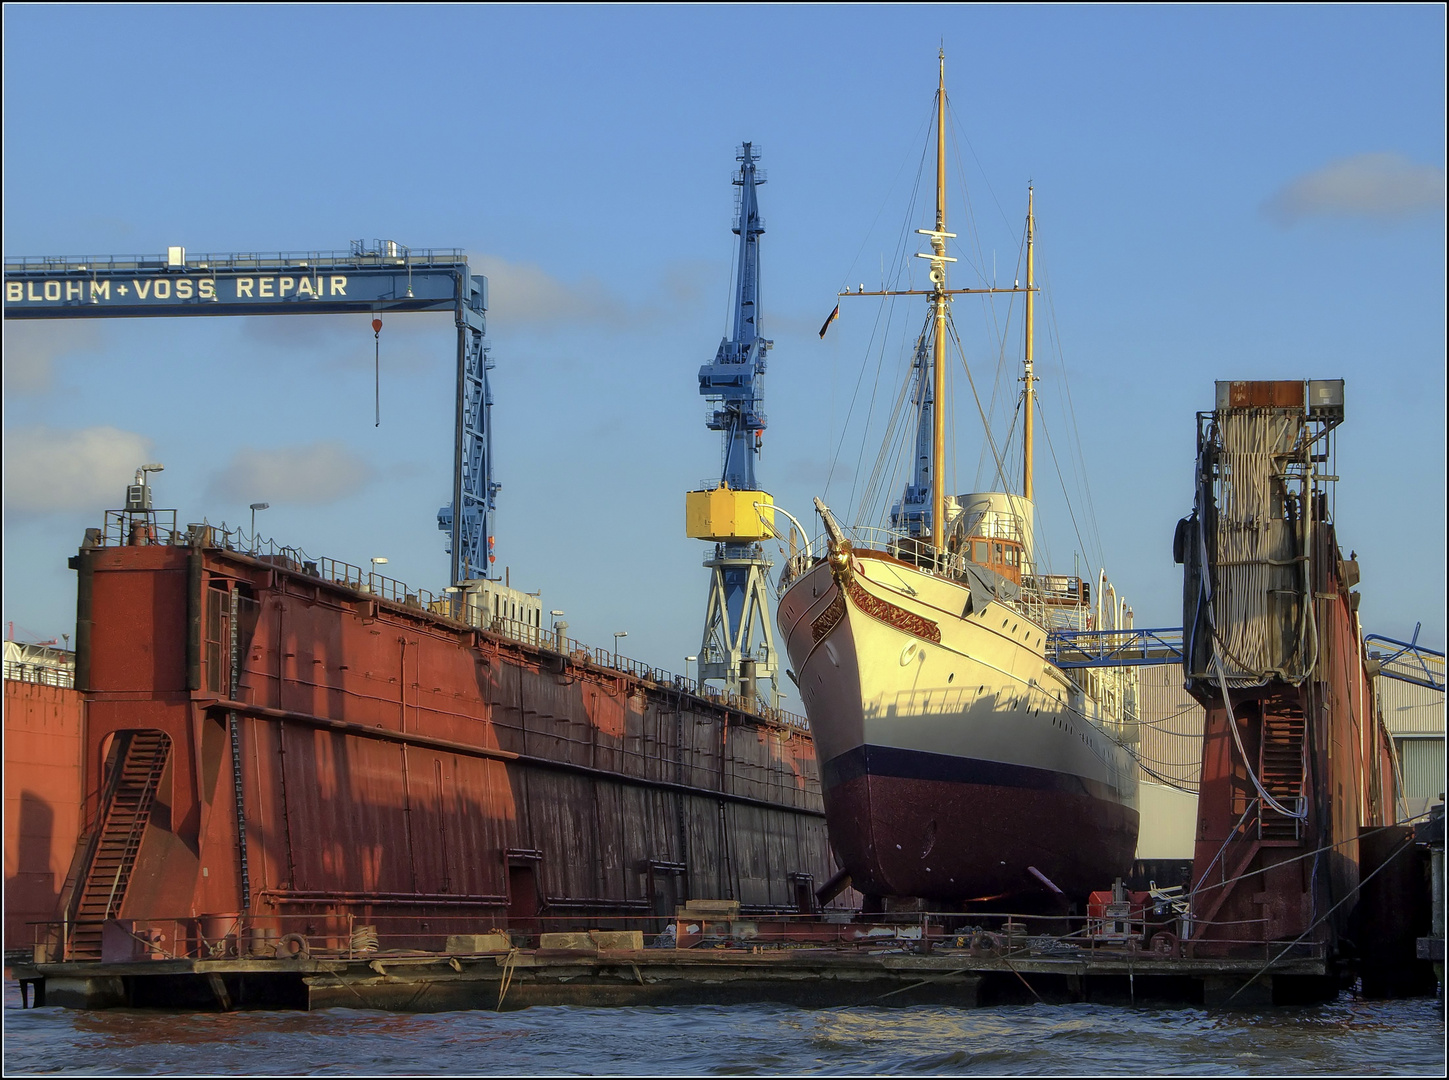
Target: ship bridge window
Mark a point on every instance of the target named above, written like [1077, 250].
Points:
[980, 552]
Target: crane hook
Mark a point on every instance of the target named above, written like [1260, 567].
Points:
[377, 372]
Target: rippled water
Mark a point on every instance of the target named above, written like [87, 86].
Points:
[1348, 1037]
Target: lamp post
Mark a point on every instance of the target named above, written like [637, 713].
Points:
[617, 635]
[377, 560]
[558, 630]
[687, 661]
[255, 507]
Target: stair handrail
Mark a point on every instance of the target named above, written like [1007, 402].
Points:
[74, 892]
[87, 842]
[138, 823]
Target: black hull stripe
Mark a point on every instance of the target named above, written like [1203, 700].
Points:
[947, 768]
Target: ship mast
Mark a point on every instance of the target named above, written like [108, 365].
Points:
[940, 296]
[1028, 378]
[939, 259]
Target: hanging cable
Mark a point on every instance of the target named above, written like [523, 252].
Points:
[377, 372]
[885, 310]
[985, 423]
[1299, 814]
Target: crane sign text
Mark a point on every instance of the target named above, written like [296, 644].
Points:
[170, 287]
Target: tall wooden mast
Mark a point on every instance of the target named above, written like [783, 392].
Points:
[1028, 378]
[940, 296]
[938, 299]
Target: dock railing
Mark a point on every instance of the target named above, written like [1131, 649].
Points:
[41, 674]
[158, 527]
[352, 927]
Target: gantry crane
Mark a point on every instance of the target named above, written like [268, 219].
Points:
[733, 513]
[371, 279]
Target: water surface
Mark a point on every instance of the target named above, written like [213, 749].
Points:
[1346, 1037]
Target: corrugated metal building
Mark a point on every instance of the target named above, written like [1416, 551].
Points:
[1170, 752]
[1414, 716]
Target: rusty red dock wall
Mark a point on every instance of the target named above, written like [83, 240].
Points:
[1258, 877]
[43, 733]
[390, 759]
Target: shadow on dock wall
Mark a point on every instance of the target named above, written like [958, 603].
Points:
[42, 801]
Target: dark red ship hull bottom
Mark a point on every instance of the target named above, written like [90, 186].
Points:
[953, 840]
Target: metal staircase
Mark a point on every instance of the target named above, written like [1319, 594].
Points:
[1280, 769]
[140, 758]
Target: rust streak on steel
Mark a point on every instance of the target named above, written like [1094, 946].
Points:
[388, 735]
[361, 731]
[322, 896]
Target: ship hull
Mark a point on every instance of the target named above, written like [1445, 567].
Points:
[915, 824]
[958, 763]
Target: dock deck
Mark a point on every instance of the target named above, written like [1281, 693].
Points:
[802, 976]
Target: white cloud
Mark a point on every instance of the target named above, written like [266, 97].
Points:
[31, 349]
[520, 296]
[523, 294]
[320, 473]
[1380, 187]
[409, 343]
[49, 471]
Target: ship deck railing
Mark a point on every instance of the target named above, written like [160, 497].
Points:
[124, 528]
[1042, 598]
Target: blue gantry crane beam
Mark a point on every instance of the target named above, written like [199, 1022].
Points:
[731, 512]
[1132, 647]
[372, 278]
[1407, 661]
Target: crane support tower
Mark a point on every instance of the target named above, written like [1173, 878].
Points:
[373, 278]
[732, 513]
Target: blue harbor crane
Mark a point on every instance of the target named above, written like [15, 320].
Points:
[731, 512]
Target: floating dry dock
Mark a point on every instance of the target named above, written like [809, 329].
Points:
[816, 962]
[523, 978]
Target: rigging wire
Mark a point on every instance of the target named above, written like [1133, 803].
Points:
[1000, 331]
[984, 176]
[870, 409]
[1089, 504]
[985, 423]
[1002, 364]
[868, 498]
[950, 406]
[1046, 431]
[1173, 716]
[850, 270]
[974, 231]
[1176, 783]
[886, 310]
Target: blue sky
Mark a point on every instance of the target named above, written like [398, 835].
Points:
[1222, 192]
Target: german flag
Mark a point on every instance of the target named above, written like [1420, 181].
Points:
[833, 316]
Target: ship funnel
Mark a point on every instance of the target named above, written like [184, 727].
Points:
[999, 514]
